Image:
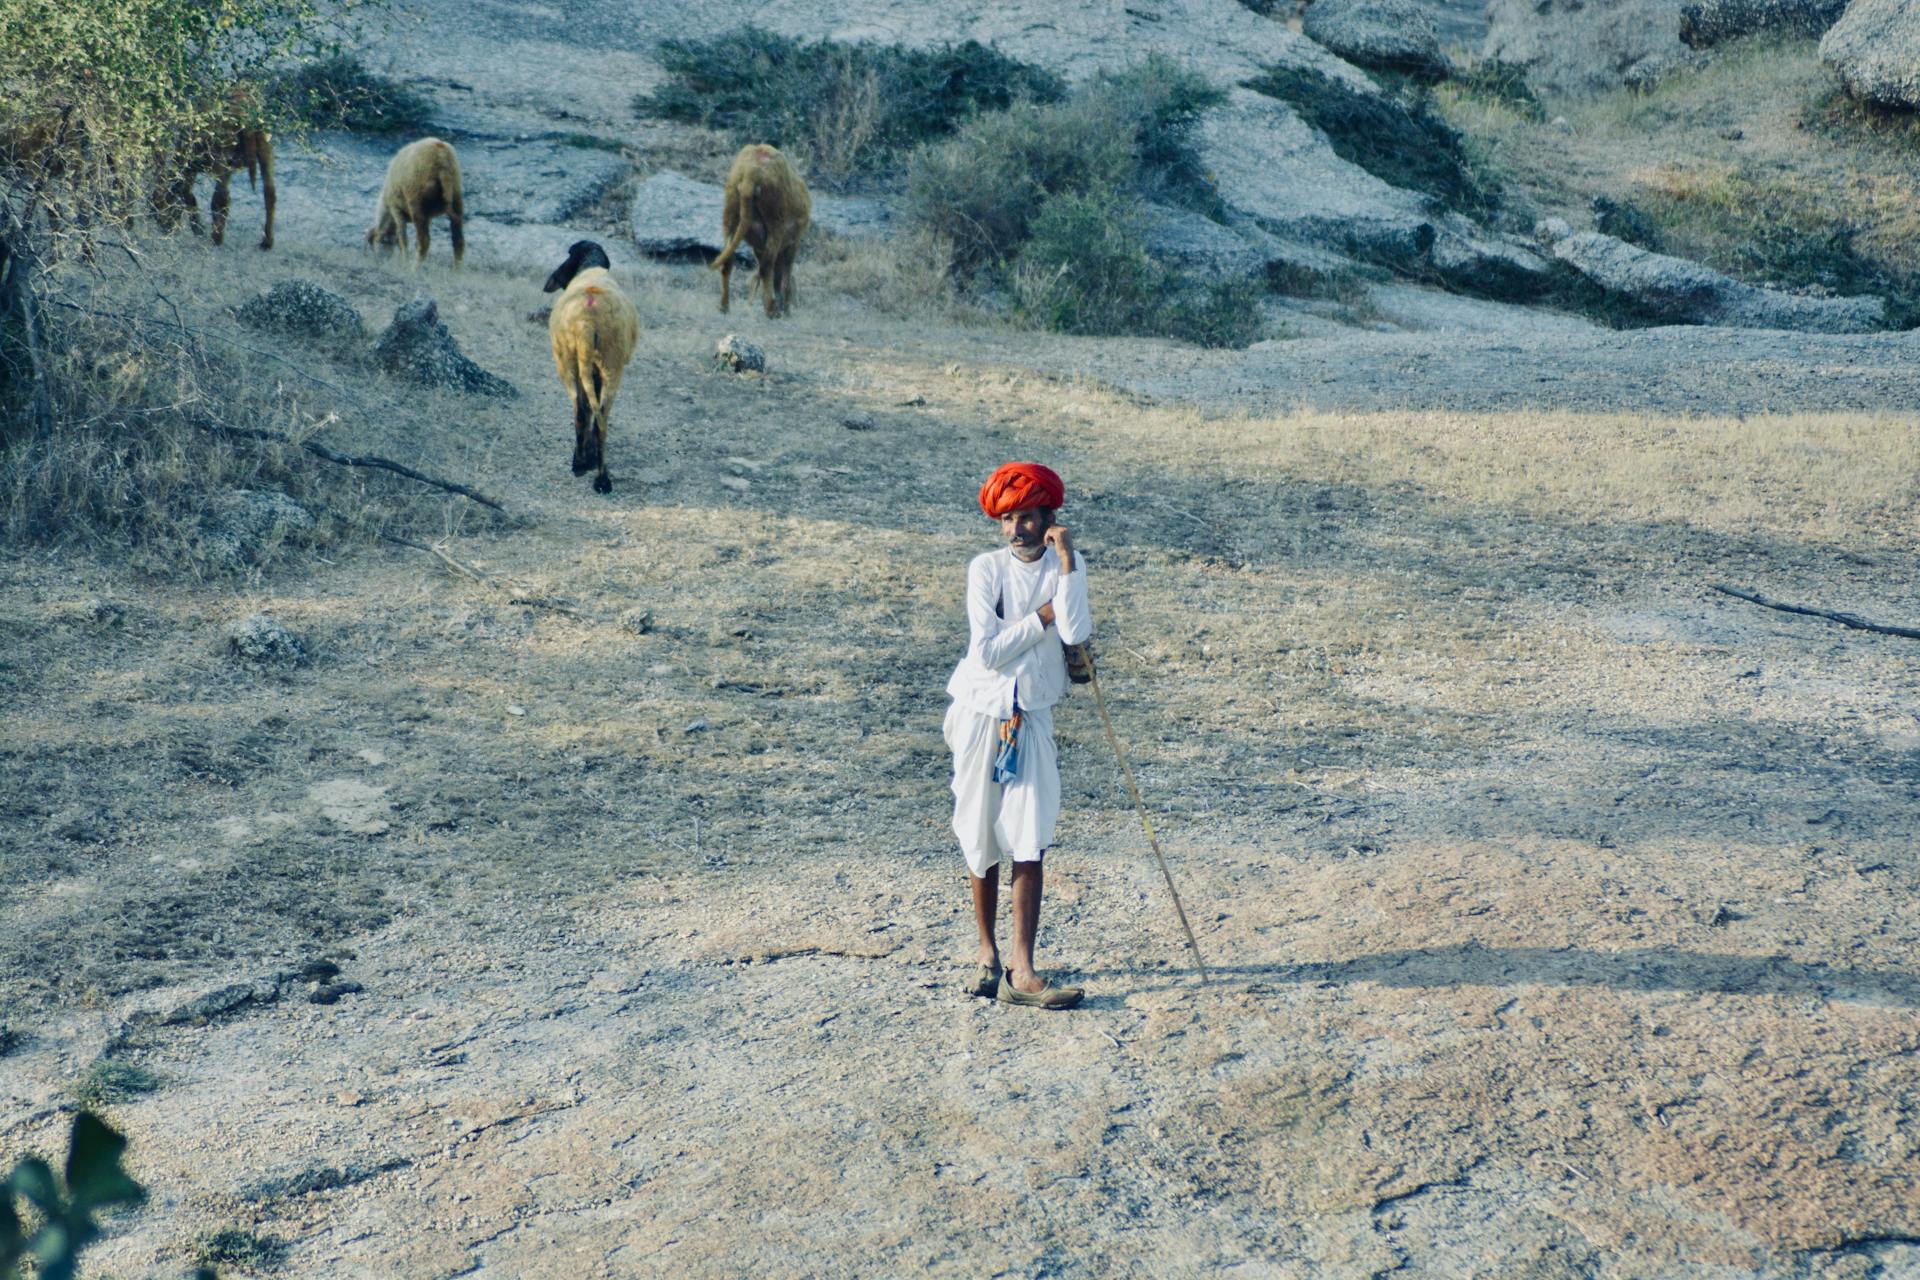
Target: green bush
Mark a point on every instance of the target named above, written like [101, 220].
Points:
[1161, 102]
[851, 109]
[338, 92]
[1126, 131]
[1405, 144]
[236, 1247]
[1049, 199]
[1085, 269]
[61, 1210]
[108, 1080]
[981, 191]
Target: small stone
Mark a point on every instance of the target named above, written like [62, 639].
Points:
[330, 992]
[695, 726]
[259, 639]
[639, 622]
[241, 527]
[858, 422]
[735, 354]
[1562, 124]
[514, 709]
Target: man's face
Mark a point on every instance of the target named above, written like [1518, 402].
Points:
[1024, 529]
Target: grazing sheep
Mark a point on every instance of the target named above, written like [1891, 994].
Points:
[593, 328]
[766, 205]
[423, 182]
[232, 142]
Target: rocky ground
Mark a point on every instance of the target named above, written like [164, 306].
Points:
[583, 905]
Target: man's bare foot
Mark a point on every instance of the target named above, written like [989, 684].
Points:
[988, 957]
[1028, 981]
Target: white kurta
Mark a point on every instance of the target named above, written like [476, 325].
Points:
[1011, 659]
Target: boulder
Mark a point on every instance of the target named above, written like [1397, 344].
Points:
[416, 346]
[1875, 50]
[676, 216]
[1387, 35]
[241, 526]
[1677, 291]
[1705, 23]
[259, 639]
[735, 354]
[304, 309]
[1273, 170]
[1582, 46]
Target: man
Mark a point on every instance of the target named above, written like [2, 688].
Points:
[1024, 602]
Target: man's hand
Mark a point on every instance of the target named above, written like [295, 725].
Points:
[1045, 614]
[1060, 539]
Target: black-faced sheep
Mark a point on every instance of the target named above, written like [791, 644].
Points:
[423, 182]
[594, 329]
[767, 205]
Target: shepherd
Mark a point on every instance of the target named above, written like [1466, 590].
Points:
[1024, 602]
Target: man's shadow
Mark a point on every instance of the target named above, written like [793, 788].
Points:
[1645, 969]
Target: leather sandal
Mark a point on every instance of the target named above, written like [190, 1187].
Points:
[1048, 997]
[986, 981]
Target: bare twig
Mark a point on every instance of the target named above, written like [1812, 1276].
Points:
[354, 460]
[1844, 619]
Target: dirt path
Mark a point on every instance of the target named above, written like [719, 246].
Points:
[1556, 903]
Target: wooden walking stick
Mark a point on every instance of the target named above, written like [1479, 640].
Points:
[1081, 656]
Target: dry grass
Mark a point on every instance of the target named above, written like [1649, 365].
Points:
[1745, 163]
[148, 399]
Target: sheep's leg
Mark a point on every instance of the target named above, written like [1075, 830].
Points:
[268, 193]
[726, 283]
[222, 202]
[192, 207]
[602, 482]
[420, 232]
[457, 227]
[582, 428]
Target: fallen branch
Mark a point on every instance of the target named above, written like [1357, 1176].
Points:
[516, 594]
[1844, 619]
[354, 460]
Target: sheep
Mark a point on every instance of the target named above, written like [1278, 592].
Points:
[232, 142]
[423, 182]
[766, 205]
[594, 329]
[249, 149]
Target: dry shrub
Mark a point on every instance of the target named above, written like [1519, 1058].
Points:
[904, 276]
[153, 438]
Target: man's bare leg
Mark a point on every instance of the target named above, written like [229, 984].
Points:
[1028, 879]
[986, 905]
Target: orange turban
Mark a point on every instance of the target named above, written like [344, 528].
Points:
[1021, 484]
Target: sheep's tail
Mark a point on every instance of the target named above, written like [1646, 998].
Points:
[733, 241]
[250, 152]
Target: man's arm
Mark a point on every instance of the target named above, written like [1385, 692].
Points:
[1068, 608]
[994, 642]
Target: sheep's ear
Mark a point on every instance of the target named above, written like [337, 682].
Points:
[562, 274]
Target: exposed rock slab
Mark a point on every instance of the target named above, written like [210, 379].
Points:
[1391, 35]
[1875, 50]
[1582, 46]
[1683, 292]
[1705, 23]
[1273, 169]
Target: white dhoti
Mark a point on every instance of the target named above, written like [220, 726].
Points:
[992, 818]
